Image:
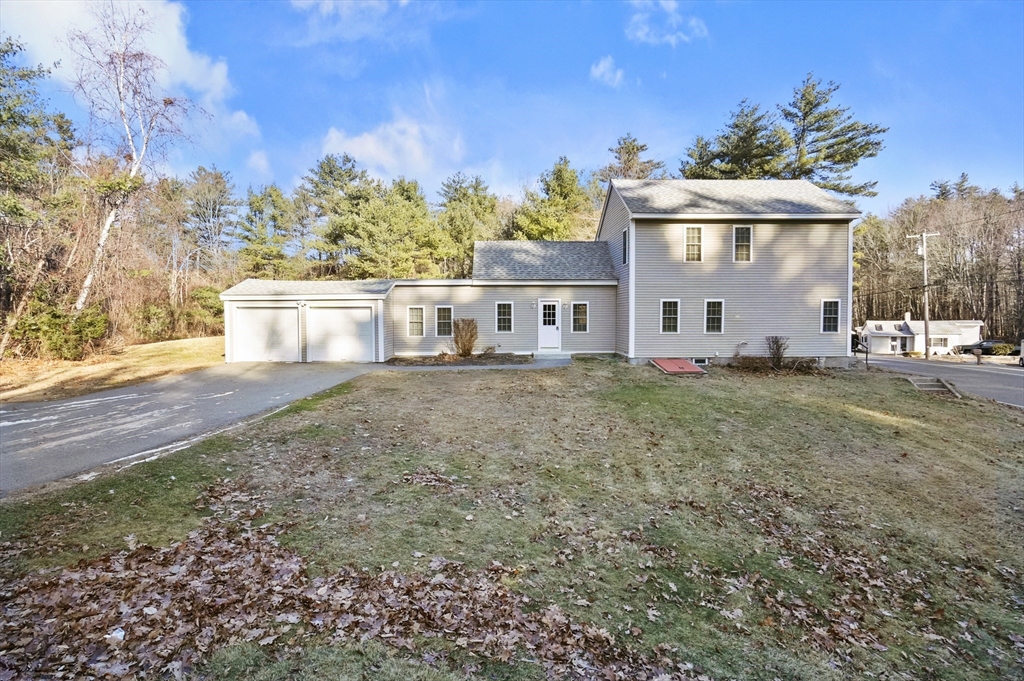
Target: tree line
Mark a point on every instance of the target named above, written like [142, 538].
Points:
[101, 247]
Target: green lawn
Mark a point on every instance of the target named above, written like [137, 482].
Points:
[800, 527]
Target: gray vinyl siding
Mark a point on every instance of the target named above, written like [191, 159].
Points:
[616, 219]
[478, 302]
[795, 266]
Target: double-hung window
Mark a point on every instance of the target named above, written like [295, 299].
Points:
[503, 317]
[415, 317]
[443, 321]
[694, 251]
[830, 316]
[580, 317]
[742, 236]
[714, 313]
[670, 316]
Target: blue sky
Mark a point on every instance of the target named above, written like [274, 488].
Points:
[503, 89]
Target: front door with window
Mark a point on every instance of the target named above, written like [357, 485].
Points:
[549, 325]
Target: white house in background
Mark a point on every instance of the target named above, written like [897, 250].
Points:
[907, 335]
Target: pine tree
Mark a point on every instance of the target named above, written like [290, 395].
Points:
[752, 146]
[264, 230]
[562, 210]
[628, 165]
[826, 143]
[469, 213]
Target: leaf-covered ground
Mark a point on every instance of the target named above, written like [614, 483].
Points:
[598, 521]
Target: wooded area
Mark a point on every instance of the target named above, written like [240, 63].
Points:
[100, 248]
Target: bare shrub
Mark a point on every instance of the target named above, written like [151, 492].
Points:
[464, 336]
[777, 346]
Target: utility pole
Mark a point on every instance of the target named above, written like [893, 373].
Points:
[924, 252]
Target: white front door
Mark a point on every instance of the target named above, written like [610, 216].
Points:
[549, 325]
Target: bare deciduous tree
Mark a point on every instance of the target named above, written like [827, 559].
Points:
[132, 117]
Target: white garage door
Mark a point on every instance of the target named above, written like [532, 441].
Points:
[266, 334]
[339, 334]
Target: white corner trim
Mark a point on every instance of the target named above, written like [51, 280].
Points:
[630, 271]
[380, 331]
[849, 289]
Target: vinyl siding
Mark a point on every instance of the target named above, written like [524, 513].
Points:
[616, 219]
[795, 266]
[478, 302]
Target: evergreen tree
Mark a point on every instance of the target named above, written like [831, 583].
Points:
[752, 146]
[825, 142]
[391, 235]
[334, 190]
[264, 231]
[628, 165]
[211, 211]
[469, 213]
[814, 141]
[562, 210]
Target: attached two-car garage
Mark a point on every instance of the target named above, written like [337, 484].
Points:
[304, 321]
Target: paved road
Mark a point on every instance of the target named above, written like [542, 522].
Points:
[1001, 382]
[43, 441]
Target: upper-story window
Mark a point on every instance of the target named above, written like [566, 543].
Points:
[625, 246]
[694, 249]
[742, 236]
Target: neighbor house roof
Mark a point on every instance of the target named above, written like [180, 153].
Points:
[730, 198]
[901, 327]
[268, 287]
[951, 328]
[544, 260]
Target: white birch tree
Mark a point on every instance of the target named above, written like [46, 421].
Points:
[132, 117]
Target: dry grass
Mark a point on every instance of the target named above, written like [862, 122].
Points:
[31, 380]
[669, 511]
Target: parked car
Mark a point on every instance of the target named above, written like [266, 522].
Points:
[985, 346]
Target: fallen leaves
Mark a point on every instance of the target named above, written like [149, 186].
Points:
[160, 611]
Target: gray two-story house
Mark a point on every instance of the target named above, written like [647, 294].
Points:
[695, 269]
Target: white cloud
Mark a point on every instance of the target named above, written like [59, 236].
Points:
[44, 26]
[657, 23]
[259, 163]
[604, 71]
[403, 146]
[378, 20]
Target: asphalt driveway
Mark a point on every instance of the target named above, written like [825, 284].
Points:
[44, 441]
[1001, 382]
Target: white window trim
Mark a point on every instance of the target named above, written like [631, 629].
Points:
[839, 315]
[685, 229]
[751, 228]
[572, 317]
[441, 307]
[625, 246]
[714, 300]
[512, 312]
[408, 321]
[661, 315]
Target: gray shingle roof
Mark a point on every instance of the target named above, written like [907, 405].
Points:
[271, 287]
[558, 260]
[761, 197]
[900, 327]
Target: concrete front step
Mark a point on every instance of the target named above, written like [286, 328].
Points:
[935, 386]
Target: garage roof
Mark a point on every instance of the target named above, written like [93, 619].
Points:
[372, 288]
[542, 260]
[730, 197]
